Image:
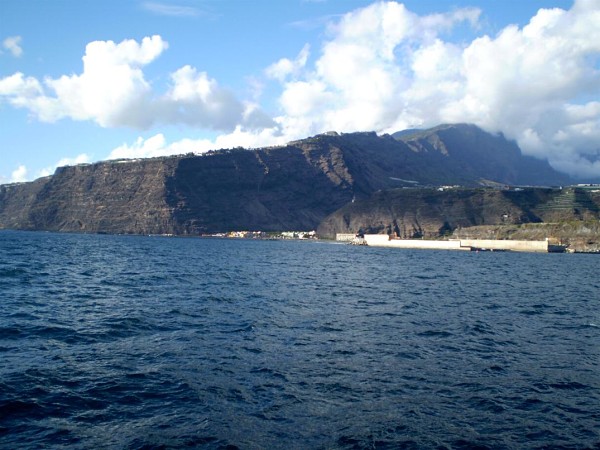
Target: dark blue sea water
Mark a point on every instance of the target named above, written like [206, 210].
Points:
[145, 342]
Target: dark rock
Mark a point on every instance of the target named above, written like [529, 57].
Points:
[430, 213]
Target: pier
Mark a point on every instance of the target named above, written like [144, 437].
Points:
[383, 240]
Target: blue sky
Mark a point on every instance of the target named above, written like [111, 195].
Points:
[87, 81]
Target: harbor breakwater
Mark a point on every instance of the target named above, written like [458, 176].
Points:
[383, 240]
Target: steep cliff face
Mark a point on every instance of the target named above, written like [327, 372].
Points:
[268, 189]
[16, 201]
[430, 213]
[127, 197]
[291, 187]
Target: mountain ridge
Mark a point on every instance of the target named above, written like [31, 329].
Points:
[294, 186]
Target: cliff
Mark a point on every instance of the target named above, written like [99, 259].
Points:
[290, 187]
[430, 213]
[267, 189]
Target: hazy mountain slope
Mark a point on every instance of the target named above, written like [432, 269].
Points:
[475, 153]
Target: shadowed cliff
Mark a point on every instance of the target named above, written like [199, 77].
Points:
[430, 213]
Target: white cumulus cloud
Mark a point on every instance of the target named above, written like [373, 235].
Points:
[157, 145]
[286, 67]
[113, 92]
[19, 174]
[195, 98]
[13, 45]
[82, 158]
[363, 78]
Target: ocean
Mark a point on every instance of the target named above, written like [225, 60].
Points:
[137, 342]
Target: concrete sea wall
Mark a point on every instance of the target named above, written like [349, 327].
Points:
[515, 246]
[345, 237]
[383, 240]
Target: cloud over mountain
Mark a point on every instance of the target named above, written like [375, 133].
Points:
[382, 68]
[385, 68]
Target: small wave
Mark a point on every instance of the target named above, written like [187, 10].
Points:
[252, 350]
[163, 440]
[408, 355]
[47, 332]
[435, 333]
[479, 328]
[10, 332]
[243, 329]
[269, 372]
[381, 442]
[125, 326]
[13, 272]
[463, 444]
[568, 385]
[18, 408]
[430, 277]
[328, 329]
[487, 404]
[337, 388]
[345, 352]
[531, 404]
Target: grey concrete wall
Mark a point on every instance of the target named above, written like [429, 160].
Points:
[515, 246]
[383, 240]
[345, 237]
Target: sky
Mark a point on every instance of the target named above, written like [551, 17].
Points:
[85, 81]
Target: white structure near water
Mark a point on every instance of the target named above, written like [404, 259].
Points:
[383, 240]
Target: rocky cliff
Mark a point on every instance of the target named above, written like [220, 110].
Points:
[290, 187]
[431, 213]
[267, 189]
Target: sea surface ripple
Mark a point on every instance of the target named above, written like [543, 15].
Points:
[147, 342]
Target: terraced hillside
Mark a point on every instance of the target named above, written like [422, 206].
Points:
[430, 213]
